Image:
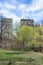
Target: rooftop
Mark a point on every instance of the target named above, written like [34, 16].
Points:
[26, 19]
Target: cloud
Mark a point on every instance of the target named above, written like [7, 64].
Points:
[6, 10]
[16, 9]
[33, 11]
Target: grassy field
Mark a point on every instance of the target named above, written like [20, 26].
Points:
[20, 58]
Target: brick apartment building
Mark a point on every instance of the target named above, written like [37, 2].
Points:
[5, 31]
[6, 26]
[27, 22]
[42, 23]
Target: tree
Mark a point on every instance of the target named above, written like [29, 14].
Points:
[24, 34]
[38, 38]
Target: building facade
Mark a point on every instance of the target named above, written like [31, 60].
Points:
[6, 30]
[41, 23]
[27, 22]
[5, 26]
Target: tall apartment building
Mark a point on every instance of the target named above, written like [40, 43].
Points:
[5, 27]
[42, 23]
[5, 30]
[1, 16]
[27, 22]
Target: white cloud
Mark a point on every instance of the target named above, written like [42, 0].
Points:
[7, 5]
[8, 14]
[5, 9]
[33, 10]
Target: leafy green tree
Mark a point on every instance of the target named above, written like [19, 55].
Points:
[30, 36]
[25, 34]
[38, 38]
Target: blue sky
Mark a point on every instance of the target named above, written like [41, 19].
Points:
[19, 9]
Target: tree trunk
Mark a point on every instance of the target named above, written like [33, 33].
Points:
[23, 45]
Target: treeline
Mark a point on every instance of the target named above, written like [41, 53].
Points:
[29, 38]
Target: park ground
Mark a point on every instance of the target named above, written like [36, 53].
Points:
[20, 58]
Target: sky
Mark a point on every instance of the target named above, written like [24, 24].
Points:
[21, 9]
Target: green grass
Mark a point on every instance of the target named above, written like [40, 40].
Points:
[21, 57]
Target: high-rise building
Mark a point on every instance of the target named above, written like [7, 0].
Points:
[41, 23]
[27, 22]
[6, 30]
[1, 16]
[6, 27]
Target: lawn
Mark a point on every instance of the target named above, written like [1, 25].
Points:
[20, 58]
